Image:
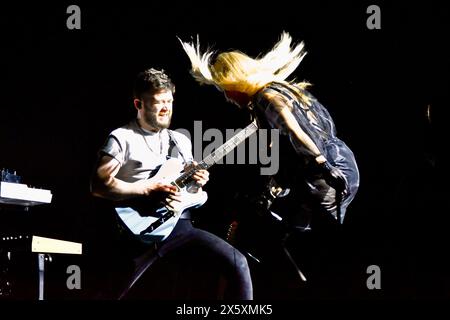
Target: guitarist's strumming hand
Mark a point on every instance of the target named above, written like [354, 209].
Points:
[159, 192]
[173, 201]
[150, 188]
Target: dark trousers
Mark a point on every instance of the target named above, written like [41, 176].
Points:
[198, 254]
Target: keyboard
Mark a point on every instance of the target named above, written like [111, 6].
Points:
[20, 194]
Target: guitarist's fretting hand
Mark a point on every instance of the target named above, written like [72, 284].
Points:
[201, 177]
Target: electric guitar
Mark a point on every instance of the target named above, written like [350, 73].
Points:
[152, 222]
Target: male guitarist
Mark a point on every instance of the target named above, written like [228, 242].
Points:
[129, 159]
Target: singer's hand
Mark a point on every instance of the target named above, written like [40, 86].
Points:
[334, 178]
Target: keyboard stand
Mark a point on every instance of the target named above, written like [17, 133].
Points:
[41, 268]
[13, 193]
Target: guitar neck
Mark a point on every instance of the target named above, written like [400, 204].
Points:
[217, 154]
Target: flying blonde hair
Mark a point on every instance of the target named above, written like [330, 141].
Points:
[236, 71]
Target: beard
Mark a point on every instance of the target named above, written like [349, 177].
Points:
[158, 122]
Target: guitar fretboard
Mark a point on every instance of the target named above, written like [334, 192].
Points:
[217, 154]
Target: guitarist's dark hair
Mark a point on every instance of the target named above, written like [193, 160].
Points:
[151, 80]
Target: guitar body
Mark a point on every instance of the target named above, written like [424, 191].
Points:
[138, 217]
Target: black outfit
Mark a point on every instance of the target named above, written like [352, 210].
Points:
[280, 246]
[299, 169]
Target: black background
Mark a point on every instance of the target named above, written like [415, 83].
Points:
[64, 90]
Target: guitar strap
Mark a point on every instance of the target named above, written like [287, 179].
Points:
[174, 147]
[174, 151]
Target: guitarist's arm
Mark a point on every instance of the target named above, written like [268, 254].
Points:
[104, 184]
